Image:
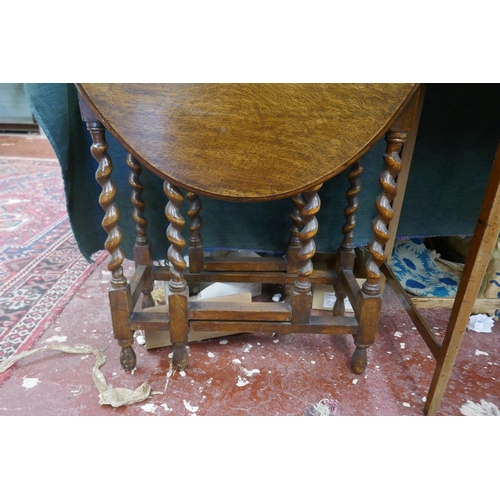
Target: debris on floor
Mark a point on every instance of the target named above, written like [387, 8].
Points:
[482, 409]
[481, 323]
[29, 383]
[325, 408]
[115, 397]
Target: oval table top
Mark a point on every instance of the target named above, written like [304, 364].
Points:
[247, 142]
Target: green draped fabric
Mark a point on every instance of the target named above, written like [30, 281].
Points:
[456, 143]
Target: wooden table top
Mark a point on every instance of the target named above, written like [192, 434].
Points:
[247, 142]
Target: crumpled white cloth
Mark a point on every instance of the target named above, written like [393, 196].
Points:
[481, 323]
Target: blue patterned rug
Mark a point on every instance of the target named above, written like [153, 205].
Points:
[415, 269]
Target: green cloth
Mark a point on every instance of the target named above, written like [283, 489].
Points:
[456, 143]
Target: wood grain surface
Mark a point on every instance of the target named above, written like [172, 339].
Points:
[247, 142]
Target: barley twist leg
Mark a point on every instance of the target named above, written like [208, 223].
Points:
[142, 247]
[178, 290]
[370, 295]
[302, 296]
[119, 291]
[345, 256]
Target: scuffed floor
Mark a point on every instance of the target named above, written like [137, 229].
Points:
[248, 374]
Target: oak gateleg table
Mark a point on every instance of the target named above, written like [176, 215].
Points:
[249, 143]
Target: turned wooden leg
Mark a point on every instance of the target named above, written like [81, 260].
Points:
[119, 292]
[178, 296]
[302, 295]
[195, 240]
[294, 245]
[345, 255]
[370, 299]
[142, 247]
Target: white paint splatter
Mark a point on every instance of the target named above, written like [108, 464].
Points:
[149, 408]
[402, 345]
[170, 355]
[247, 347]
[242, 381]
[210, 354]
[182, 373]
[276, 341]
[57, 338]
[210, 380]
[223, 342]
[165, 407]
[313, 362]
[29, 383]
[236, 361]
[355, 381]
[398, 334]
[424, 399]
[407, 405]
[189, 407]
[141, 339]
[481, 353]
[389, 352]
[249, 373]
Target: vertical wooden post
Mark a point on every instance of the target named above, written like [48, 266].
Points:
[142, 247]
[178, 289]
[345, 255]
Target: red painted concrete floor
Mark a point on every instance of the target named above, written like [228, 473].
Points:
[248, 374]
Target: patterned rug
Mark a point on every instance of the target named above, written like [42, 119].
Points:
[40, 265]
[415, 269]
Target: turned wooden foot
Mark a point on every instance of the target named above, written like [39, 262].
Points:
[359, 360]
[128, 359]
[180, 359]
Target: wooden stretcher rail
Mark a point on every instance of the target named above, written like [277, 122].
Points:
[317, 324]
[245, 264]
[234, 311]
[319, 277]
